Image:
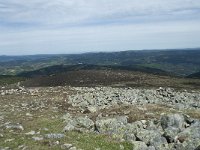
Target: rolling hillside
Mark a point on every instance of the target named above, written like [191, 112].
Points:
[181, 62]
[195, 75]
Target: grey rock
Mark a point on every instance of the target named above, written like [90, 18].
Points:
[66, 146]
[69, 127]
[159, 142]
[107, 96]
[171, 133]
[190, 133]
[15, 127]
[84, 122]
[112, 126]
[92, 109]
[79, 123]
[180, 106]
[188, 119]
[151, 148]
[67, 117]
[30, 133]
[3, 93]
[129, 137]
[133, 128]
[4, 148]
[1, 117]
[173, 120]
[29, 115]
[9, 140]
[40, 138]
[73, 148]
[138, 145]
[121, 147]
[147, 135]
[54, 136]
[151, 125]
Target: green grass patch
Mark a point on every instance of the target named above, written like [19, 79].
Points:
[6, 80]
[85, 141]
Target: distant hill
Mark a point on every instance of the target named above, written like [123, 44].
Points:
[54, 70]
[182, 62]
[106, 77]
[195, 75]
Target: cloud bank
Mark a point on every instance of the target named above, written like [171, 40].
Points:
[66, 26]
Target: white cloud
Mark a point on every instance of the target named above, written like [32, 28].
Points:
[97, 25]
[56, 12]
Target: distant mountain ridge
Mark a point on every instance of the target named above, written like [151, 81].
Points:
[53, 70]
[195, 75]
[181, 62]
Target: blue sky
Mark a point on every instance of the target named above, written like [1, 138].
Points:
[76, 26]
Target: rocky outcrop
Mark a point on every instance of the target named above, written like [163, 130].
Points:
[171, 131]
[104, 97]
[107, 111]
[79, 124]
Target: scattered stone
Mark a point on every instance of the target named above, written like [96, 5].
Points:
[129, 137]
[37, 138]
[9, 140]
[67, 117]
[54, 136]
[159, 143]
[92, 109]
[31, 133]
[147, 135]
[56, 143]
[15, 127]
[170, 132]
[45, 129]
[29, 115]
[138, 145]
[104, 97]
[174, 120]
[1, 118]
[121, 147]
[72, 148]
[68, 127]
[3, 93]
[66, 146]
[4, 148]
[79, 123]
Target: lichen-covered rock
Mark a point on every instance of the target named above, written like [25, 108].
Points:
[84, 122]
[171, 133]
[37, 138]
[66, 146]
[129, 137]
[147, 135]
[172, 120]
[14, 127]
[54, 136]
[190, 134]
[80, 123]
[138, 145]
[102, 97]
[112, 126]
[159, 142]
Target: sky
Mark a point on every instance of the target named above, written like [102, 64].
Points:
[77, 26]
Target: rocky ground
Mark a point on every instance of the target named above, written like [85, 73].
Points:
[99, 118]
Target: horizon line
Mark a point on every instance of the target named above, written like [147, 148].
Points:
[93, 52]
